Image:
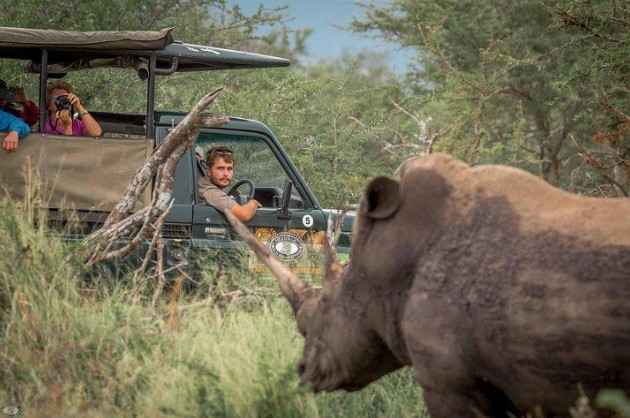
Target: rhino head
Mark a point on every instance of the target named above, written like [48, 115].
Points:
[342, 347]
[341, 350]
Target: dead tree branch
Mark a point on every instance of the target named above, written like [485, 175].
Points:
[426, 135]
[593, 162]
[133, 228]
[291, 286]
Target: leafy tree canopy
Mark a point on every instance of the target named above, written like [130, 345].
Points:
[541, 84]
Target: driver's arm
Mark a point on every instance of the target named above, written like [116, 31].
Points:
[247, 211]
[222, 202]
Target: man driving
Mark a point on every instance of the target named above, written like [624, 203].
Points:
[221, 162]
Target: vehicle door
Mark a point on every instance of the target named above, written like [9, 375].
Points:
[289, 222]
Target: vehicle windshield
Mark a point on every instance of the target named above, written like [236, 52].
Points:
[255, 160]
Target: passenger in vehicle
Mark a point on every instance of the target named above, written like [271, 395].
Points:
[62, 102]
[16, 129]
[220, 172]
[14, 101]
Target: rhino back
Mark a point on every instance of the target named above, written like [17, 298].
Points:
[534, 281]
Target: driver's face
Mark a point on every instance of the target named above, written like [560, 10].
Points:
[221, 173]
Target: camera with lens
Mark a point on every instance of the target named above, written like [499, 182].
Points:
[63, 103]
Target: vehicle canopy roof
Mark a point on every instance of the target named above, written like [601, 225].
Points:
[73, 50]
[24, 42]
[54, 53]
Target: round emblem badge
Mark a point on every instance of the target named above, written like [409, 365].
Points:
[286, 246]
[307, 221]
[12, 411]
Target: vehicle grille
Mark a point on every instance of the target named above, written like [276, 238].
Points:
[81, 229]
[176, 231]
[71, 229]
[345, 240]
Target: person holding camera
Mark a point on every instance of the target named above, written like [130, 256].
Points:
[62, 103]
[14, 101]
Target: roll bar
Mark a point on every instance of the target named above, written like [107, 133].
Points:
[149, 118]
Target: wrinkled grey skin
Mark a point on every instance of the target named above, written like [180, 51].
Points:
[502, 292]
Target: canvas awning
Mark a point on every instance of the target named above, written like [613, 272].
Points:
[67, 46]
[73, 172]
[71, 51]
[45, 38]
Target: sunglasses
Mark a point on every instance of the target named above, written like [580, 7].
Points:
[215, 152]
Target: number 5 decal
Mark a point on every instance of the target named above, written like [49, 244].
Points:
[307, 221]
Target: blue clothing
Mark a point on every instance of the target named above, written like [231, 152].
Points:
[10, 123]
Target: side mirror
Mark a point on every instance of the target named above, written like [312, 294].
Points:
[142, 69]
[283, 212]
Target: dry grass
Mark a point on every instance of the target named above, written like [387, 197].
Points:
[75, 344]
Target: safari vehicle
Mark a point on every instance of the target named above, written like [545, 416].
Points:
[89, 175]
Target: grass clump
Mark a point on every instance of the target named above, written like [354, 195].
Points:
[61, 341]
[79, 346]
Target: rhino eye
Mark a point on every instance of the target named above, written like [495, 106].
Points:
[302, 331]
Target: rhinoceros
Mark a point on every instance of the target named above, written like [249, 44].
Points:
[502, 292]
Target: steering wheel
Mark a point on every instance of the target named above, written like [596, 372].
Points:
[234, 190]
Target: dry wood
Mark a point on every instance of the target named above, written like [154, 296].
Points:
[598, 166]
[160, 272]
[427, 136]
[123, 224]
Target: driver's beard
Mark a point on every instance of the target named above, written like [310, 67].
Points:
[216, 183]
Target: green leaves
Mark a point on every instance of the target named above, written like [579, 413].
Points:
[540, 77]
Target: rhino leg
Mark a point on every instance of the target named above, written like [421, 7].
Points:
[439, 339]
[449, 404]
[477, 401]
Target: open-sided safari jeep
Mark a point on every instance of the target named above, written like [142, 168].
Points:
[89, 175]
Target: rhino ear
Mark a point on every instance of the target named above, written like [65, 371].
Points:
[382, 198]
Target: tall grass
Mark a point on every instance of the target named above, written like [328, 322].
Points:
[74, 347]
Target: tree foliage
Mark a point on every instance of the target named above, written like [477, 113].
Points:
[538, 84]
[337, 122]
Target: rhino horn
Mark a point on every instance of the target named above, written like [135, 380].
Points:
[333, 267]
[291, 286]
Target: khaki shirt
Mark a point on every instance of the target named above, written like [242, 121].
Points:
[214, 196]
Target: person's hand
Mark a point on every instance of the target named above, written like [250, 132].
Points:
[20, 96]
[65, 117]
[76, 102]
[10, 142]
[257, 203]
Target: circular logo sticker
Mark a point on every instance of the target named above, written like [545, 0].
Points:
[307, 221]
[12, 411]
[286, 246]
